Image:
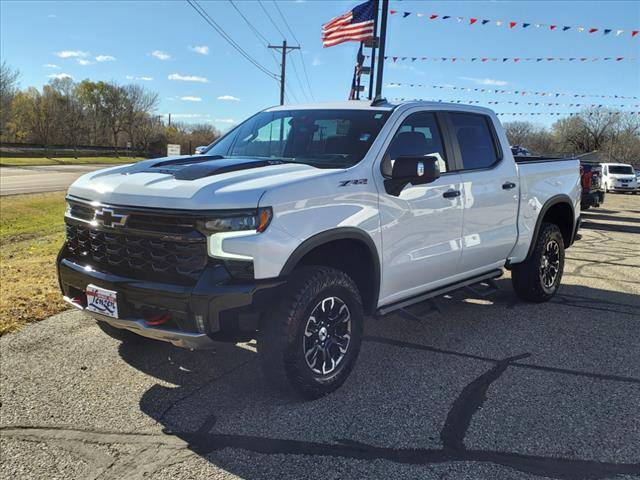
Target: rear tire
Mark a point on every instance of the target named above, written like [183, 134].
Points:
[311, 341]
[124, 336]
[537, 279]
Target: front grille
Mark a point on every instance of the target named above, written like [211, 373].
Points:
[150, 247]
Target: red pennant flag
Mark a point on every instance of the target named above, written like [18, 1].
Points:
[512, 24]
[393, 12]
[485, 59]
[433, 17]
[592, 30]
[516, 60]
[634, 33]
[552, 27]
[472, 21]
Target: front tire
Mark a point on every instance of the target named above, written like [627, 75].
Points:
[311, 341]
[537, 279]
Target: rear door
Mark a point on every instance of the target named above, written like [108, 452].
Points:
[490, 192]
[421, 227]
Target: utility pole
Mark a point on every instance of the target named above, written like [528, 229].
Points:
[374, 45]
[283, 70]
[383, 40]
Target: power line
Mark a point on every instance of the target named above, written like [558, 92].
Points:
[203, 13]
[304, 67]
[257, 33]
[271, 19]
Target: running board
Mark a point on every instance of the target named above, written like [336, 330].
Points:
[437, 292]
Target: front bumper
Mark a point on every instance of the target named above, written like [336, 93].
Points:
[216, 307]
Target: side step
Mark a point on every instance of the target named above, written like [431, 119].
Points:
[437, 292]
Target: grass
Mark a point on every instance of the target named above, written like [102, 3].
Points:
[28, 161]
[31, 233]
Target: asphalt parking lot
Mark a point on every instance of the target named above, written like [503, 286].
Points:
[484, 387]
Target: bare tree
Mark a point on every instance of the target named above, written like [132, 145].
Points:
[139, 105]
[8, 88]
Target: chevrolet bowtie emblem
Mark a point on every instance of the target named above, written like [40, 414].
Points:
[108, 218]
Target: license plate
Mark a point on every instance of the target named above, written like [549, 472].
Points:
[102, 301]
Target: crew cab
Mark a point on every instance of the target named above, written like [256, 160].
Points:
[304, 220]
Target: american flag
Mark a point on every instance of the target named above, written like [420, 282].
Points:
[354, 26]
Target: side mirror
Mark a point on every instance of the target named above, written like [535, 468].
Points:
[411, 170]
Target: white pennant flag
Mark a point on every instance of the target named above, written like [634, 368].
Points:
[618, 32]
[580, 29]
[499, 23]
[460, 19]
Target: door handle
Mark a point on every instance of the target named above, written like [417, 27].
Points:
[451, 194]
[508, 186]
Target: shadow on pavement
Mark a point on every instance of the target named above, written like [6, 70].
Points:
[413, 397]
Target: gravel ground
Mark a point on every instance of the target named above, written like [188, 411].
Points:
[488, 387]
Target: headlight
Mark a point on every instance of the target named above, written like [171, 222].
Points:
[258, 220]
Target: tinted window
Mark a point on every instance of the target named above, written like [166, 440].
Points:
[418, 136]
[322, 138]
[621, 170]
[475, 140]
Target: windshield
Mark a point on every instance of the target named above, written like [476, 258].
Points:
[321, 138]
[621, 169]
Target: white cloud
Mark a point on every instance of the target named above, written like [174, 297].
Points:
[189, 98]
[160, 55]
[146, 79]
[72, 54]
[224, 120]
[51, 65]
[228, 98]
[316, 61]
[105, 58]
[486, 81]
[84, 61]
[202, 49]
[60, 76]
[184, 115]
[188, 78]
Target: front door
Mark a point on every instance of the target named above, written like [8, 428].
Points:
[422, 227]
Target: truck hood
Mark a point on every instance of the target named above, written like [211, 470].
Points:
[191, 183]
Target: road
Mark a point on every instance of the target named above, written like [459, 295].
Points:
[46, 178]
[488, 387]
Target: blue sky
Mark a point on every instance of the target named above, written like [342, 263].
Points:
[169, 48]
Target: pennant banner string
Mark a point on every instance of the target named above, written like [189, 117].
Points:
[397, 58]
[513, 25]
[533, 104]
[510, 92]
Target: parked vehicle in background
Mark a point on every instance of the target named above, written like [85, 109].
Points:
[200, 150]
[301, 221]
[519, 151]
[619, 177]
[591, 181]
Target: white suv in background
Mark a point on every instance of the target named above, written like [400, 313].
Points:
[619, 177]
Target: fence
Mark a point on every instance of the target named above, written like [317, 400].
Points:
[22, 150]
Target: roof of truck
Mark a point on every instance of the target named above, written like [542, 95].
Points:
[382, 105]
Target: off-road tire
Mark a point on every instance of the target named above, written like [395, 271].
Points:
[125, 336]
[282, 332]
[526, 277]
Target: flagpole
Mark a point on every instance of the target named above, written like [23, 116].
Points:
[383, 40]
[374, 48]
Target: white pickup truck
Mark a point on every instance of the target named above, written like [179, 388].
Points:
[303, 220]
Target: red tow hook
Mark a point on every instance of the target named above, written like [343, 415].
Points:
[80, 300]
[158, 319]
